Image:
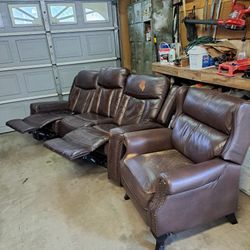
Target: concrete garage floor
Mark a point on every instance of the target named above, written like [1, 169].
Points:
[48, 202]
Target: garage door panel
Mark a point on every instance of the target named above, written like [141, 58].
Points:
[9, 27]
[67, 46]
[10, 111]
[78, 11]
[67, 74]
[23, 51]
[40, 81]
[84, 46]
[99, 65]
[9, 85]
[26, 83]
[99, 44]
[33, 49]
[42, 51]
[5, 52]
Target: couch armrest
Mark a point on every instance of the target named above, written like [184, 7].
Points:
[116, 148]
[191, 177]
[147, 141]
[134, 127]
[44, 107]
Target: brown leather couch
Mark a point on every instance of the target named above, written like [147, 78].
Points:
[89, 91]
[188, 175]
[138, 109]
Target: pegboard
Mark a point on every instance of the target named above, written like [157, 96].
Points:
[225, 10]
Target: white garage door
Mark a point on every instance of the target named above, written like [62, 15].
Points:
[44, 43]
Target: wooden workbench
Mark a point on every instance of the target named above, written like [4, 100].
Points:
[205, 75]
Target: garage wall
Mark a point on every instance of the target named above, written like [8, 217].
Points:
[43, 44]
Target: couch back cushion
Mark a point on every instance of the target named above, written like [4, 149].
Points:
[142, 99]
[83, 91]
[111, 82]
[204, 124]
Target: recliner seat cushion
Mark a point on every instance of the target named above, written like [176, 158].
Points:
[71, 123]
[140, 173]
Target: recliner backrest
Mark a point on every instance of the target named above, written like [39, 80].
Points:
[142, 99]
[111, 82]
[206, 123]
[82, 91]
[168, 108]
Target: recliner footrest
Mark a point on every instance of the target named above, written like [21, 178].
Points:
[78, 143]
[20, 126]
[35, 121]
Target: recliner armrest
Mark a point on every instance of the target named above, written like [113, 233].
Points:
[134, 127]
[45, 107]
[147, 141]
[116, 147]
[193, 176]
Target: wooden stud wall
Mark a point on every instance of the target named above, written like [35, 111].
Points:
[124, 33]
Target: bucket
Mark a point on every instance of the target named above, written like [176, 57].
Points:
[199, 58]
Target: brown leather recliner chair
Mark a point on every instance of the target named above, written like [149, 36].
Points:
[115, 148]
[44, 114]
[111, 83]
[182, 177]
[138, 109]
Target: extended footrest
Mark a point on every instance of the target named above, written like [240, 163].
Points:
[21, 126]
[34, 122]
[78, 143]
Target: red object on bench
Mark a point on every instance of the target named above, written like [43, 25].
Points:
[232, 67]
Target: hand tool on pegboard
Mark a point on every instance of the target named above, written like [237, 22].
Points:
[176, 23]
[217, 15]
[211, 15]
[191, 29]
[235, 21]
[205, 11]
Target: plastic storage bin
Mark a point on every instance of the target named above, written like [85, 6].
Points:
[199, 58]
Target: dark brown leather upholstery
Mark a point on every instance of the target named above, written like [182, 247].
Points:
[80, 99]
[103, 106]
[142, 99]
[115, 150]
[179, 178]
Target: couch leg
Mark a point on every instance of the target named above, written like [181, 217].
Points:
[126, 197]
[160, 242]
[232, 219]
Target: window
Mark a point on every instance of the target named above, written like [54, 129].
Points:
[25, 14]
[96, 12]
[62, 13]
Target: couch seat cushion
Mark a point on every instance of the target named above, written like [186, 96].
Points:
[140, 173]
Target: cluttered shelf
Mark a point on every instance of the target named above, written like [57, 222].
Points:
[208, 75]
